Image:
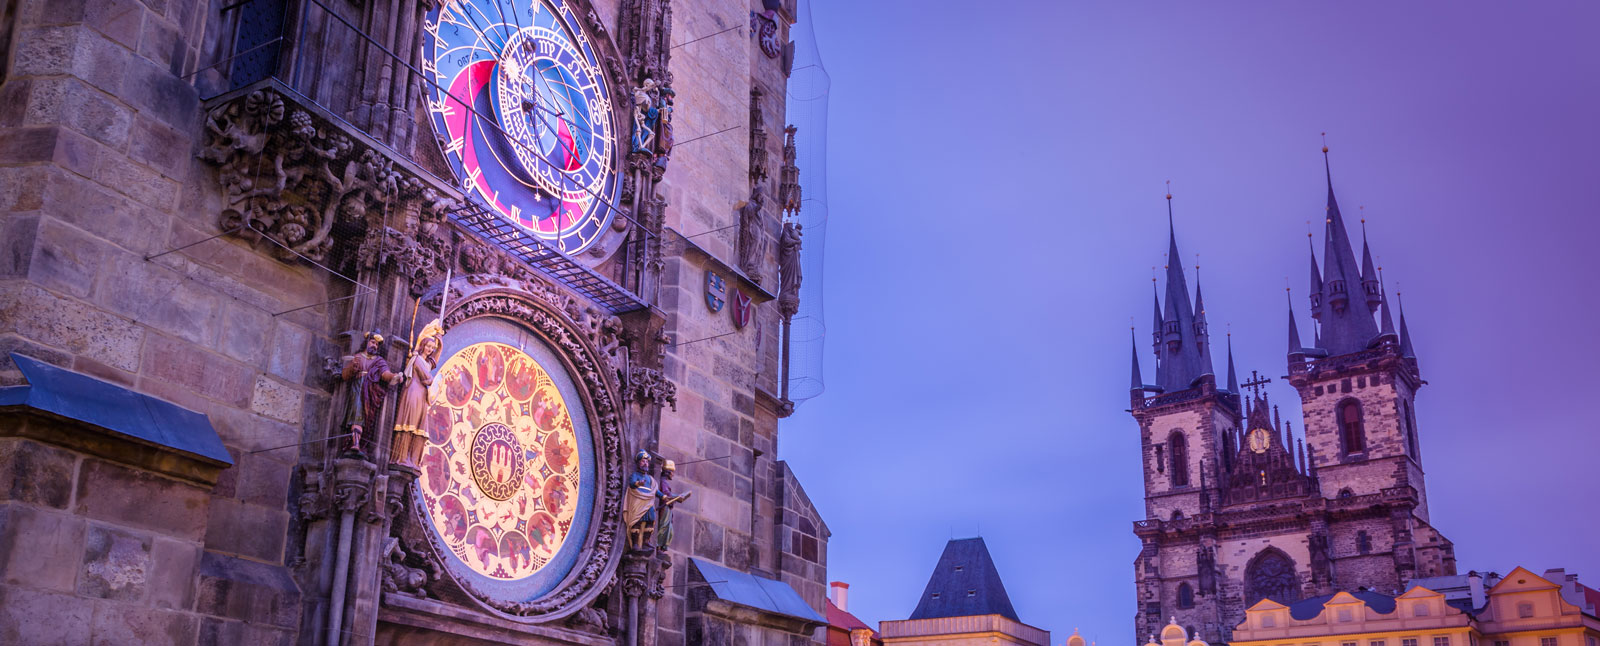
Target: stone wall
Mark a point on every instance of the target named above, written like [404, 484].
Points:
[99, 195]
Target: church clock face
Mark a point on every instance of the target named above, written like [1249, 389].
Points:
[504, 484]
[1260, 439]
[524, 115]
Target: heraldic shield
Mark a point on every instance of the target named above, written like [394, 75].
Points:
[716, 291]
[743, 306]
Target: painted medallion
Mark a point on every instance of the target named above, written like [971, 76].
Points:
[524, 115]
[502, 471]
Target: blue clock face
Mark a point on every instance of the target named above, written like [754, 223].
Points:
[525, 115]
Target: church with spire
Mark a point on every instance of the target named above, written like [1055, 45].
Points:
[1238, 507]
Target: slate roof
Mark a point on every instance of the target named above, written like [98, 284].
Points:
[134, 415]
[756, 592]
[1306, 609]
[965, 583]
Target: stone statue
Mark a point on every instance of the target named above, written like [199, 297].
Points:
[668, 501]
[639, 507]
[663, 126]
[410, 421]
[750, 234]
[789, 270]
[399, 577]
[370, 378]
[644, 117]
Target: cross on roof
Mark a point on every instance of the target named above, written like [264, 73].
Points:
[1256, 382]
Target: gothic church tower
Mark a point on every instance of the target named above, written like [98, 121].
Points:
[1236, 509]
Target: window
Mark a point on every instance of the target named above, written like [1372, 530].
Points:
[1268, 621]
[1363, 542]
[1443, 640]
[972, 593]
[1525, 610]
[1348, 644]
[1502, 642]
[1345, 617]
[935, 595]
[1177, 514]
[1346, 493]
[958, 568]
[1180, 459]
[1352, 436]
[1271, 575]
[1375, 642]
[1161, 459]
[1185, 596]
[1420, 609]
[1411, 429]
[1409, 642]
[1551, 641]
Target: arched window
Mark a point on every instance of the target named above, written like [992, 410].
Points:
[1363, 542]
[1179, 448]
[1185, 596]
[1271, 575]
[1352, 436]
[1177, 514]
[1346, 493]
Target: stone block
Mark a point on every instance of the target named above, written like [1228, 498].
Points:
[161, 43]
[66, 258]
[262, 480]
[44, 619]
[14, 102]
[21, 189]
[131, 178]
[160, 147]
[119, 494]
[275, 399]
[27, 145]
[154, 90]
[118, 624]
[721, 421]
[224, 632]
[94, 368]
[72, 102]
[288, 352]
[116, 565]
[36, 474]
[252, 531]
[9, 343]
[171, 582]
[70, 325]
[707, 540]
[40, 549]
[187, 365]
[245, 331]
[234, 588]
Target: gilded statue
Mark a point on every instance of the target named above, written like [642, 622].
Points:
[410, 421]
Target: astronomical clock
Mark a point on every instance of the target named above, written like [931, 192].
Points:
[524, 116]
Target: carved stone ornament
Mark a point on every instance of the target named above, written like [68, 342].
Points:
[602, 549]
[293, 178]
[646, 385]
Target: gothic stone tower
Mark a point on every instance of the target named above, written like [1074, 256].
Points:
[1237, 510]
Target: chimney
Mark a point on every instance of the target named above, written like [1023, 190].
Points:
[839, 593]
[1475, 588]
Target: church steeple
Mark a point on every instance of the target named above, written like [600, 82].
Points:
[1233, 378]
[1182, 355]
[1346, 327]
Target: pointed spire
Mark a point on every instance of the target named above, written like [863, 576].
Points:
[1405, 333]
[1370, 284]
[1233, 378]
[1345, 328]
[1202, 333]
[1386, 329]
[1138, 381]
[1316, 280]
[1297, 351]
[1302, 451]
[1183, 355]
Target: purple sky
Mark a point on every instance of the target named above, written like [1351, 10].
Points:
[996, 175]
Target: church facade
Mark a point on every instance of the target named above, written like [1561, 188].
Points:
[1237, 508]
[340, 322]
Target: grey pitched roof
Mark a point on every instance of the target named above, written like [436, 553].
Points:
[964, 584]
[136, 416]
[1305, 609]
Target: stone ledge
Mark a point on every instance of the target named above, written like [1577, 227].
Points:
[404, 619]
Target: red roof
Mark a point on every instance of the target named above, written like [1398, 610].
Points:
[1589, 594]
[841, 619]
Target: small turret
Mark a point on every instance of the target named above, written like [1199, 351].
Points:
[1370, 285]
[1316, 281]
[1233, 377]
[1297, 352]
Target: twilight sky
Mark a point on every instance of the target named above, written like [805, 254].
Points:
[996, 174]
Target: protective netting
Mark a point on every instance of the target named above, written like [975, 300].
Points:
[807, 108]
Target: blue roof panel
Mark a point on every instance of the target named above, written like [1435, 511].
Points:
[756, 592]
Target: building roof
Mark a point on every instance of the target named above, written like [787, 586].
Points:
[965, 583]
[755, 592]
[1307, 609]
[130, 415]
[841, 619]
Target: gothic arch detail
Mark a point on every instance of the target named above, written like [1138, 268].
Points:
[1178, 449]
[1271, 575]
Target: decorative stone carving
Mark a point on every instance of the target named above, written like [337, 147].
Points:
[405, 572]
[750, 242]
[292, 178]
[590, 620]
[600, 556]
[311, 504]
[758, 138]
[646, 385]
[789, 176]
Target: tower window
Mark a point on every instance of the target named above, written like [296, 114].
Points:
[1185, 596]
[1411, 430]
[1179, 447]
[1161, 459]
[1352, 435]
[1363, 542]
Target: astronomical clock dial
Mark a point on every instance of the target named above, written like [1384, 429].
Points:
[1260, 439]
[504, 484]
[524, 114]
